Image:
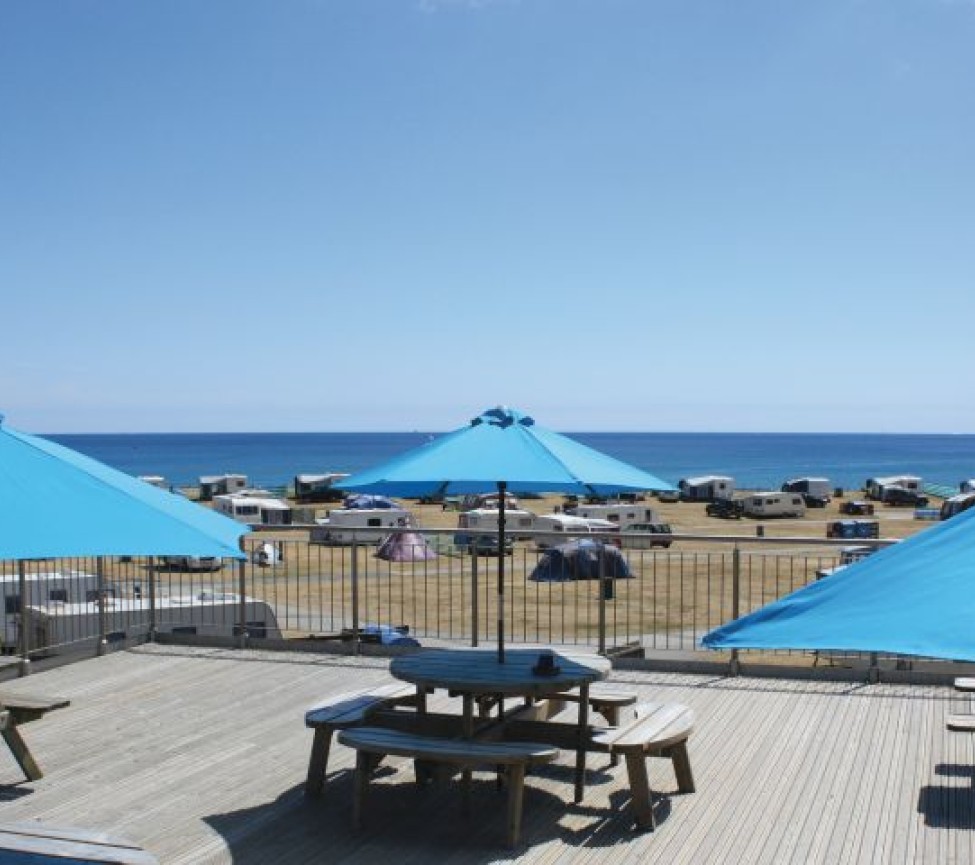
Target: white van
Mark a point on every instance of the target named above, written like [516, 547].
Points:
[773, 505]
[555, 529]
[621, 514]
[355, 525]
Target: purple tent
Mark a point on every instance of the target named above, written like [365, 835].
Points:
[405, 547]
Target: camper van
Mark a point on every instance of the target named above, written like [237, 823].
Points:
[621, 514]
[875, 487]
[42, 588]
[766, 505]
[815, 491]
[205, 613]
[254, 508]
[555, 529]
[706, 489]
[360, 525]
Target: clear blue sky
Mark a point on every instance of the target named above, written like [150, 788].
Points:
[381, 215]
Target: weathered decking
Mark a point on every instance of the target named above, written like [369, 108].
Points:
[200, 756]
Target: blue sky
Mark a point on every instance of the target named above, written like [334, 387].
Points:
[376, 215]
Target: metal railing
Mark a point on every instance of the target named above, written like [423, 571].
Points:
[291, 591]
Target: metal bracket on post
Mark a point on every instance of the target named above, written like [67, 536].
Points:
[734, 665]
[356, 642]
[23, 632]
[242, 614]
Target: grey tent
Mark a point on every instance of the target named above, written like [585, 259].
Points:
[581, 560]
[405, 547]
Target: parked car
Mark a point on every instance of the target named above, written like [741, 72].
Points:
[728, 509]
[668, 495]
[857, 508]
[899, 497]
[814, 501]
[645, 536]
[191, 563]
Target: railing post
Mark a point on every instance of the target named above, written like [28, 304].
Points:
[23, 632]
[873, 673]
[102, 636]
[242, 610]
[605, 589]
[152, 600]
[355, 596]
[734, 665]
[475, 607]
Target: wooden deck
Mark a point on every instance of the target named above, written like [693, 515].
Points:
[199, 756]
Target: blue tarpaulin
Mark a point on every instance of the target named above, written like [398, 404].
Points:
[58, 503]
[916, 597]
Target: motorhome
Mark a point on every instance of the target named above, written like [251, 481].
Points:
[875, 487]
[554, 529]
[621, 514]
[359, 525]
[766, 505]
[815, 491]
[41, 588]
[205, 613]
[318, 488]
[255, 508]
[218, 485]
[708, 488]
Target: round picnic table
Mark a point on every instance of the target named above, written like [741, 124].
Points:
[473, 673]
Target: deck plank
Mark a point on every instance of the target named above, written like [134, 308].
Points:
[199, 755]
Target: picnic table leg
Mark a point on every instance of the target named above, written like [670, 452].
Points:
[516, 796]
[21, 752]
[636, 772]
[362, 768]
[320, 747]
[581, 746]
[466, 772]
[682, 767]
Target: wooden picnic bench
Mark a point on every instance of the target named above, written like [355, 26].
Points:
[39, 843]
[655, 730]
[17, 709]
[462, 754]
[342, 712]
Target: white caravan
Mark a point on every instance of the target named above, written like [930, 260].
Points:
[43, 587]
[254, 508]
[360, 525]
[517, 521]
[773, 505]
[555, 529]
[622, 514]
[875, 487]
[207, 614]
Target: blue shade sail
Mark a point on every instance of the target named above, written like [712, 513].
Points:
[916, 597]
[58, 503]
[502, 445]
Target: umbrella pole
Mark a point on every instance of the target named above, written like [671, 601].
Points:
[502, 486]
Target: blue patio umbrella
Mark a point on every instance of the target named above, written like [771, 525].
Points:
[916, 597]
[505, 450]
[58, 503]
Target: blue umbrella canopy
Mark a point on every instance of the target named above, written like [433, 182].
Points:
[506, 450]
[916, 597]
[58, 503]
[502, 445]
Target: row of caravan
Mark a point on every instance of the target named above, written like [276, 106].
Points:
[369, 525]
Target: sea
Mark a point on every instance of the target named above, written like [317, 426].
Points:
[754, 460]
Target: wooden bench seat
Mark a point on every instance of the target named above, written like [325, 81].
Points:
[39, 843]
[370, 742]
[605, 699]
[20, 709]
[342, 712]
[961, 723]
[658, 729]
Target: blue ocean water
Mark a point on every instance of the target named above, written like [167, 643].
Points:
[755, 460]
